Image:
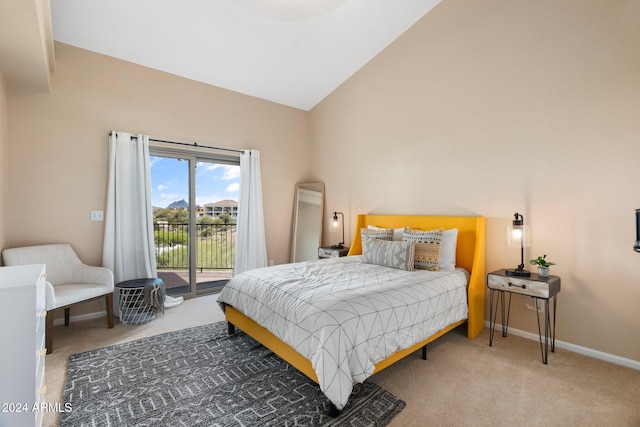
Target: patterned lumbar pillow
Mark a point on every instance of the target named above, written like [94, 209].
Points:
[394, 254]
[397, 232]
[427, 247]
[380, 233]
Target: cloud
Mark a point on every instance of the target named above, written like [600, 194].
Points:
[233, 188]
[206, 166]
[231, 172]
[228, 172]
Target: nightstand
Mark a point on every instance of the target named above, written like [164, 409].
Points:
[537, 287]
[331, 252]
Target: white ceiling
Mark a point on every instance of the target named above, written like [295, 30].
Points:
[293, 52]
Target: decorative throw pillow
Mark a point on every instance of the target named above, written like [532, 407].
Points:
[393, 254]
[427, 247]
[397, 232]
[382, 234]
[447, 260]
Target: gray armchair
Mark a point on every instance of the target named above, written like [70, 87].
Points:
[69, 281]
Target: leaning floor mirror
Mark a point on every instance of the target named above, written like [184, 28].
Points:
[308, 208]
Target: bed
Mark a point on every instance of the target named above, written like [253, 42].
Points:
[333, 346]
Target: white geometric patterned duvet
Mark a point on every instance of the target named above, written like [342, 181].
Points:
[344, 315]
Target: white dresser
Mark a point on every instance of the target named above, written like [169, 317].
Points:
[22, 326]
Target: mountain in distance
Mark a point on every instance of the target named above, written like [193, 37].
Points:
[178, 204]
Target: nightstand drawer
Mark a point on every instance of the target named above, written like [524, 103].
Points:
[524, 286]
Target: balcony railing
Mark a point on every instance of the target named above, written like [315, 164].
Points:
[215, 246]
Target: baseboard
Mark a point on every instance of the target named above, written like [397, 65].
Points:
[600, 355]
[585, 351]
[81, 317]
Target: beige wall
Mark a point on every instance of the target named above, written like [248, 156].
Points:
[4, 165]
[59, 144]
[499, 106]
[484, 107]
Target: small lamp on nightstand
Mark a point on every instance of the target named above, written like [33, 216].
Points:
[518, 235]
[334, 227]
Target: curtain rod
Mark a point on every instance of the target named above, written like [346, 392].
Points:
[195, 144]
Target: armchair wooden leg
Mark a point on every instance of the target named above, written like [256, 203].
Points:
[67, 311]
[109, 310]
[48, 331]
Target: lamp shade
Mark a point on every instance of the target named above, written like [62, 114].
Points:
[518, 236]
[335, 223]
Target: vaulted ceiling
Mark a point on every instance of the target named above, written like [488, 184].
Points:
[293, 52]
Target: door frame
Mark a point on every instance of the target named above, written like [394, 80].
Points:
[193, 155]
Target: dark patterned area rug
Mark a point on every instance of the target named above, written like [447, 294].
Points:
[203, 377]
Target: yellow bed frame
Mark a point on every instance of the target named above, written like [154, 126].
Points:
[470, 254]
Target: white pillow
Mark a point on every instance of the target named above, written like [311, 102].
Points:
[397, 232]
[447, 260]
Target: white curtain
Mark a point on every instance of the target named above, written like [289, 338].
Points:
[251, 246]
[129, 249]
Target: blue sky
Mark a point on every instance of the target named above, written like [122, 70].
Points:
[170, 181]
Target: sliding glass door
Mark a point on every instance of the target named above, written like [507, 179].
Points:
[195, 201]
[216, 191]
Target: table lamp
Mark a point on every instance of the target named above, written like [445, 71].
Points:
[518, 235]
[636, 247]
[334, 227]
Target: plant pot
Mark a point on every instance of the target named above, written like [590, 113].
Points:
[543, 271]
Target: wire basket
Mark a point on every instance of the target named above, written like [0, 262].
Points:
[133, 308]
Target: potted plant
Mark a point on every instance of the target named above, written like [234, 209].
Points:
[543, 265]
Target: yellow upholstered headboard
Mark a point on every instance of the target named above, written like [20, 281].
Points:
[470, 251]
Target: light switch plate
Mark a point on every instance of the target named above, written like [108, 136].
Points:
[97, 216]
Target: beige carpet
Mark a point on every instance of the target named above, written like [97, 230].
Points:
[463, 382]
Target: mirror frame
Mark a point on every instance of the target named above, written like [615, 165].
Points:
[312, 186]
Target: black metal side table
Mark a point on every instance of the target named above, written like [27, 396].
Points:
[535, 286]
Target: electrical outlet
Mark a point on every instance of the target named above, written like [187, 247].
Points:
[272, 263]
[97, 216]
